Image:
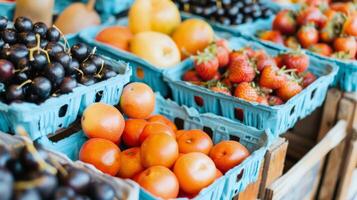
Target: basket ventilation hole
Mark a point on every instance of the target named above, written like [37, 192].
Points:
[199, 101]
[313, 93]
[240, 175]
[239, 114]
[140, 73]
[62, 111]
[234, 137]
[180, 124]
[98, 96]
[292, 111]
[208, 130]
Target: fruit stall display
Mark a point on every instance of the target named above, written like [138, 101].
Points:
[328, 34]
[31, 172]
[44, 79]
[152, 144]
[257, 85]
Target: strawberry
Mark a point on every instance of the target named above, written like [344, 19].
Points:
[273, 36]
[221, 89]
[227, 83]
[350, 26]
[272, 78]
[308, 35]
[298, 61]
[292, 42]
[191, 76]
[206, 65]
[289, 90]
[217, 77]
[221, 53]
[262, 99]
[346, 8]
[263, 60]
[237, 55]
[308, 78]
[310, 14]
[322, 49]
[275, 100]
[284, 22]
[241, 70]
[249, 51]
[279, 60]
[246, 91]
[346, 45]
[223, 43]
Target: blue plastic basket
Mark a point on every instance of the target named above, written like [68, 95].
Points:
[346, 78]
[60, 112]
[220, 129]
[277, 119]
[7, 9]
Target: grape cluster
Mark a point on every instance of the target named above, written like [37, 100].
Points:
[35, 64]
[30, 174]
[227, 12]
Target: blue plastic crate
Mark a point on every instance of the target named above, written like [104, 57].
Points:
[277, 119]
[60, 112]
[7, 9]
[346, 78]
[221, 128]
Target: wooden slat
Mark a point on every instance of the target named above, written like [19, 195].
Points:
[298, 145]
[287, 182]
[273, 164]
[251, 192]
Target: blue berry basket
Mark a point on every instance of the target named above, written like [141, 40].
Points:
[59, 112]
[277, 119]
[7, 9]
[346, 78]
[219, 128]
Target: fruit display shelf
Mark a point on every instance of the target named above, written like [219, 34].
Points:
[60, 112]
[346, 77]
[218, 128]
[277, 119]
[123, 189]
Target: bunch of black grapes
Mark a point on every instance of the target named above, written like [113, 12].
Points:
[227, 12]
[35, 64]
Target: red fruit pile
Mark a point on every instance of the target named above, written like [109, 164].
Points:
[330, 32]
[250, 74]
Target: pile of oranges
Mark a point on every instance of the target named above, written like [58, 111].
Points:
[165, 161]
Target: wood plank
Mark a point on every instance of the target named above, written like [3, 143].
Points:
[329, 112]
[298, 145]
[335, 158]
[287, 182]
[252, 191]
[273, 164]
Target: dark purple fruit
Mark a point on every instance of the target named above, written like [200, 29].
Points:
[16, 168]
[72, 67]
[68, 84]
[29, 194]
[6, 184]
[53, 35]
[40, 89]
[40, 28]
[78, 180]
[28, 39]
[14, 93]
[87, 80]
[23, 24]
[9, 36]
[17, 52]
[88, 67]
[43, 43]
[97, 60]
[28, 160]
[7, 70]
[63, 58]
[102, 191]
[3, 23]
[54, 48]
[108, 73]
[2, 43]
[5, 53]
[80, 51]
[4, 156]
[23, 63]
[20, 77]
[54, 72]
[39, 61]
[64, 193]
[47, 186]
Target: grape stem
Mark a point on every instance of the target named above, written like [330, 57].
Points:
[38, 49]
[22, 185]
[66, 43]
[91, 53]
[100, 70]
[23, 84]
[78, 70]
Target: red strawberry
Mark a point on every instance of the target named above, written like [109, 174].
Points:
[274, 100]
[223, 43]
[350, 25]
[308, 35]
[298, 61]
[308, 78]
[289, 90]
[272, 78]
[191, 76]
[217, 77]
[292, 42]
[222, 55]
[310, 14]
[263, 60]
[241, 71]
[262, 100]
[249, 51]
[221, 89]
[273, 36]
[279, 60]
[237, 55]
[346, 45]
[226, 82]
[322, 49]
[284, 22]
[246, 91]
[206, 66]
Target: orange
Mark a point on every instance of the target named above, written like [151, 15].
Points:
[153, 128]
[100, 120]
[101, 153]
[137, 100]
[193, 35]
[132, 131]
[194, 141]
[194, 172]
[116, 36]
[164, 120]
[159, 181]
[159, 149]
[228, 154]
[130, 163]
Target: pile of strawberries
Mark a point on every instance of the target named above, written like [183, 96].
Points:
[329, 32]
[250, 74]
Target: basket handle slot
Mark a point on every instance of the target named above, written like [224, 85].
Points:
[292, 111]
[234, 137]
[208, 130]
[239, 114]
[180, 123]
[313, 93]
[140, 72]
[98, 96]
[63, 110]
[240, 176]
[199, 101]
